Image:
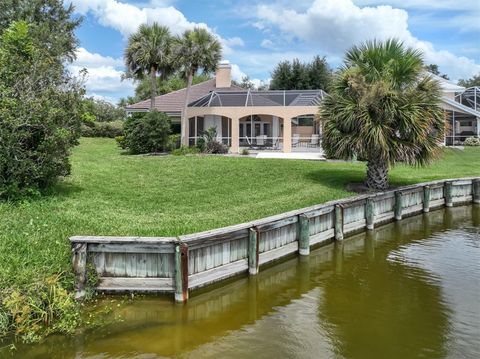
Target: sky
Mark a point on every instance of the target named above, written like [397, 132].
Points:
[257, 34]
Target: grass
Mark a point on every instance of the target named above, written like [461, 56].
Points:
[113, 194]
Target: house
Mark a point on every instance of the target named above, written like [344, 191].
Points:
[274, 120]
[462, 111]
[282, 120]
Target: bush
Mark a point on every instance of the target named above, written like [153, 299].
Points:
[40, 115]
[103, 129]
[174, 141]
[210, 144]
[120, 141]
[245, 152]
[472, 141]
[215, 147]
[184, 150]
[147, 133]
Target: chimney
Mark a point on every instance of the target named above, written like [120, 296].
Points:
[223, 76]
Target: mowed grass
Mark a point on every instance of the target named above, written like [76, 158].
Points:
[110, 193]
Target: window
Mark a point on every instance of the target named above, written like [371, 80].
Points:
[305, 121]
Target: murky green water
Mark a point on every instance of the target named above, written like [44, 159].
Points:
[407, 290]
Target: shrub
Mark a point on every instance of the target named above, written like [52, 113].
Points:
[184, 150]
[40, 115]
[120, 141]
[210, 143]
[146, 133]
[174, 141]
[103, 129]
[472, 141]
[215, 147]
[245, 152]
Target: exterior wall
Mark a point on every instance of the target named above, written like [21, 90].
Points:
[235, 113]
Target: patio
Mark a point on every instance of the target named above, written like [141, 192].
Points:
[282, 121]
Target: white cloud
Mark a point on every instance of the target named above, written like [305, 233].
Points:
[86, 59]
[238, 75]
[332, 26]
[234, 41]
[103, 77]
[266, 43]
[126, 18]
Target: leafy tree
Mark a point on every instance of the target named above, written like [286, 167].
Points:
[196, 49]
[319, 73]
[433, 68]
[296, 75]
[147, 133]
[281, 76]
[382, 109]
[40, 114]
[148, 53]
[471, 82]
[102, 111]
[51, 23]
[246, 83]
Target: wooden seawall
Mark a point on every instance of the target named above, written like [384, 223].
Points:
[180, 264]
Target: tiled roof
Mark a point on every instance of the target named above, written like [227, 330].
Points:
[172, 103]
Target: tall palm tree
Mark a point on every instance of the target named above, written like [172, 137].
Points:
[384, 108]
[149, 53]
[196, 50]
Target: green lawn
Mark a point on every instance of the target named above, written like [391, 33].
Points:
[113, 194]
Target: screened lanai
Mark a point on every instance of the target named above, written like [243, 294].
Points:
[259, 120]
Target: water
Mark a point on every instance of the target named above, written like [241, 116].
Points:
[408, 290]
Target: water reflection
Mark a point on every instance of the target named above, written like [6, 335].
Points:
[385, 294]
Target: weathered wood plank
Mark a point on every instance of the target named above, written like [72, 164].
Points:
[112, 239]
[319, 212]
[135, 284]
[322, 236]
[354, 226]
[161, 247]
[215, 274]
[277, 224]
[278, 253]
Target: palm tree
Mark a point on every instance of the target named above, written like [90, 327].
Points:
[195, 49]
[383, 108]
[149, 53]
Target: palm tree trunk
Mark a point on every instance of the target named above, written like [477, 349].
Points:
[153, 87]
[377, 174]
[184, 135]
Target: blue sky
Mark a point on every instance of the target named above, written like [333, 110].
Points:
[257, 34]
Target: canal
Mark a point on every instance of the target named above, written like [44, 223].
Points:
[409, 289]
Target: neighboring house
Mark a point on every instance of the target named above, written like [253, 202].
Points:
[279, 120]
[462, 112]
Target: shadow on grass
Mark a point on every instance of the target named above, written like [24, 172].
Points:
[62, 189]
[336, 178]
